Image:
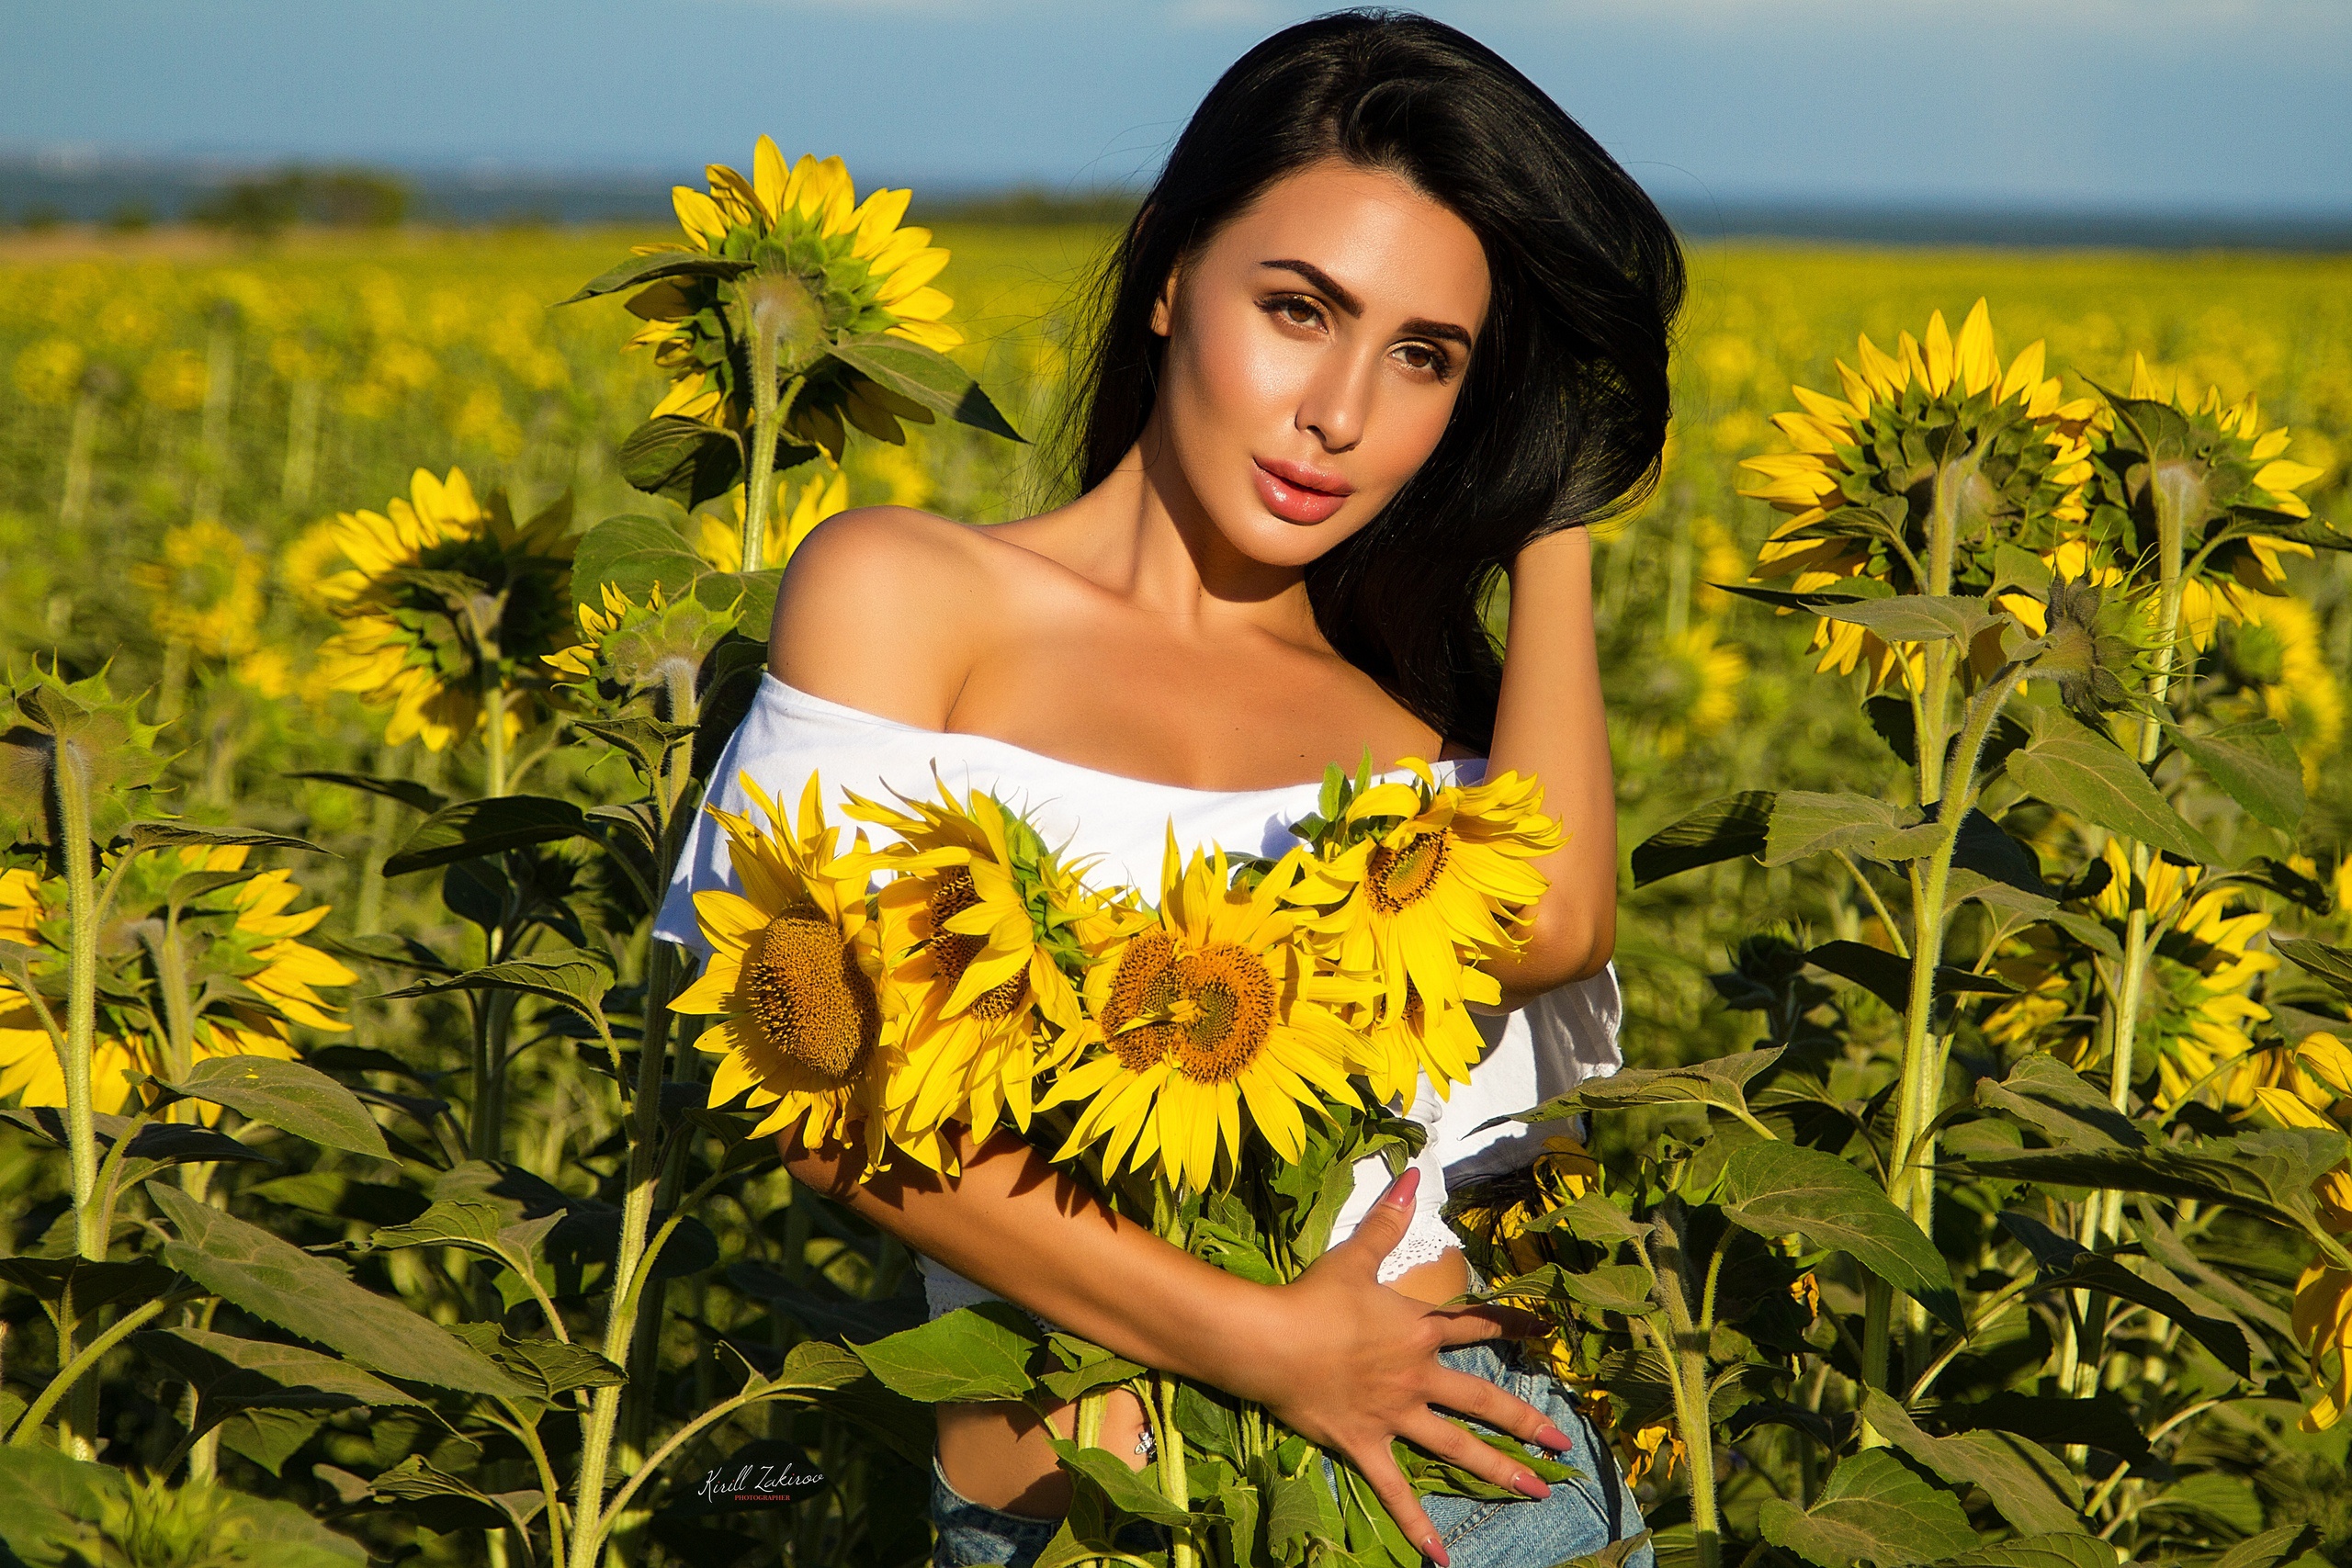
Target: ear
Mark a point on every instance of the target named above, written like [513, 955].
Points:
[1163, 307]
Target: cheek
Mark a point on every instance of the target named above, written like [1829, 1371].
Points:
[1245, 381]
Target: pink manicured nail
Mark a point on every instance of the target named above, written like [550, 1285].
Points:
[1550, 1437]
[1531, 1487]
[1400, 1196]
[1434, 1549]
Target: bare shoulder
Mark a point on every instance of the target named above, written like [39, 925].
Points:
[885, 607]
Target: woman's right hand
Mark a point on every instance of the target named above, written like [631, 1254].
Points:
[1351, 1364]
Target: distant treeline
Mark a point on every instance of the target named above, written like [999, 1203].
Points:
[130, 196]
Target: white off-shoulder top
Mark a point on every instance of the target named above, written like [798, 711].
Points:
[1534, 1051]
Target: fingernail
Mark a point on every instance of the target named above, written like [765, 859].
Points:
[1400, 1195]
[1434, 1549]
[1551, 1436]
[1532, 1488]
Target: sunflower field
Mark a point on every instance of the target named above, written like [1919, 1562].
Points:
[371, 610]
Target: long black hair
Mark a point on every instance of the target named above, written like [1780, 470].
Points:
[1563, 413]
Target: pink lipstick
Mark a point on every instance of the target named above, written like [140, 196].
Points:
[1296, 493]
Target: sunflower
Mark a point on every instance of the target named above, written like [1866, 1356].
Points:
[1939, 415]
[2276, 652]
[1211, 1010]
[2225, 482]
[1437, 881]
[206, 591]
[249, 975]
[1693, 687]
[810, 1025]
[2321, 1099]
[986, 927]
[721, 545]
[850, 268]
[411, 604]
[2196, 1005]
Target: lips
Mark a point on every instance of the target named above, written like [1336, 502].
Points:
[1296, 493]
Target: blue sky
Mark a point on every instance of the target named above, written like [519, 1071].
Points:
[2238, 105]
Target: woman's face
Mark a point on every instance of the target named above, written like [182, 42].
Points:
[1315, 346]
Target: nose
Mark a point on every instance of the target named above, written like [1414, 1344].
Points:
[1337, 401]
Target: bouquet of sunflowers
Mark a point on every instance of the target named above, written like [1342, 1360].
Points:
[1213, 1056]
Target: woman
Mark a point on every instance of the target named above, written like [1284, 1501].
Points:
[1387, 325]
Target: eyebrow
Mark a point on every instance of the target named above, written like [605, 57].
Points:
[1346, 300]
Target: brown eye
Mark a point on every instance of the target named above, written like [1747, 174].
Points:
[1424, 359]
[1297, 310]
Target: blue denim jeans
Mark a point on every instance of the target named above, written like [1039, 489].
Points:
[1581, 1515]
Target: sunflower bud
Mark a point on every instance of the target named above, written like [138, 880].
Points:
[2086, 651]
[781, 309]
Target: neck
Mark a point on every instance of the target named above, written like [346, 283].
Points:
[1146, 537]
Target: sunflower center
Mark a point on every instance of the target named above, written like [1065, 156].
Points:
[952, 952]
[816, 1008]
[1207, 1013]
[1143, 984]
[1232, 997]
[1404, 874]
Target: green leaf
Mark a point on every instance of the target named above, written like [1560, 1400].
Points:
[441, 1501]
[684, 459]
[1808, 823]
[972, 1353]
[577, 977]
[230, 1374]
[640, 270]
[1719, 1082]
[2264, 1551]
[1592, 1217]
[1873, 1510]
[2254, 764]
[2066, 1265]
[480, 1227]
[1917, 617]
[289, 1097]
[1621, 1287]
[48, 1503]
[145, 836]
[927, 377]
[408, 792]
[472, 829]
[93, 1284]
[2268, 1173]
[550, 1368]
[2333, 964]
[1724, 829]
[1125, 1490]
[1774, 1188]
[2032, 1490]
[2102, 1422]
[1889, 979]
[635, 555]
[2060, 1550]
[1613, 1555]
[337, 1196]
[2083, 773]
[2048, 1097]
[308, 1296]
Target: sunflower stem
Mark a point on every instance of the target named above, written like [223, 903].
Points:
[493, 734]
[2172, 530]
[1183, 1552]
[593, 1522]
[767, 425]
[1682, 1347]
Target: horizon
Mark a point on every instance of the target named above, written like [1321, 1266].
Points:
[2140, 108]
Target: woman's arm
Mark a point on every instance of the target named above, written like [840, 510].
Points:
[1550, 723]
[1334, 1354]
